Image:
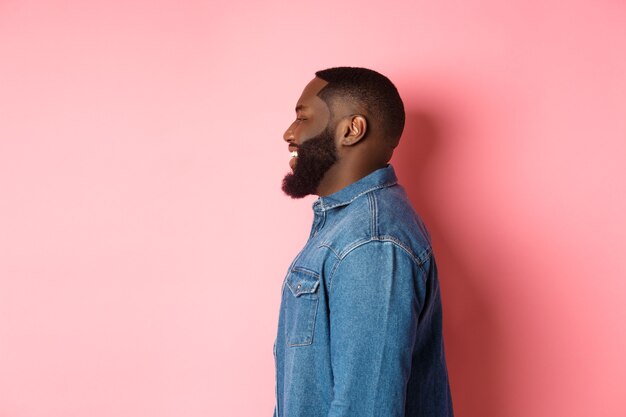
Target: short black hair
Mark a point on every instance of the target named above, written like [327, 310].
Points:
[369, 90]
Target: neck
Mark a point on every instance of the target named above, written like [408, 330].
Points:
[342, 174]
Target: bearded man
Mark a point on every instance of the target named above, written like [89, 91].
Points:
[360, 324]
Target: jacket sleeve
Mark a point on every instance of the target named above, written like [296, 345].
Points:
[376, 293]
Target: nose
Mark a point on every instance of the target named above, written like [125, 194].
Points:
[288, 135]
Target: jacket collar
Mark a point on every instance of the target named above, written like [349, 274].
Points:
[381, 178]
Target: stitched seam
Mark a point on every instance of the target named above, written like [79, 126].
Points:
[374, 214]
[391, 239]
[327, 246]
[305, 271]
[420, 259]
[386, 238]
[370, 207]
[378, 187]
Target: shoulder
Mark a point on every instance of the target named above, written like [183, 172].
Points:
[376, 266]
[382, 215]
[397, 221]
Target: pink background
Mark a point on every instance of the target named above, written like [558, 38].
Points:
[144, 236]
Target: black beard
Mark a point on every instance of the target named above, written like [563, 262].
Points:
[315, 157]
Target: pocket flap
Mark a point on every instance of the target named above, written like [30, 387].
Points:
[302, 282]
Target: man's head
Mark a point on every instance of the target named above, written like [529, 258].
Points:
[348, 121]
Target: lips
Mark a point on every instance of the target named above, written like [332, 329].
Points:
[294, 157]
[293, 150]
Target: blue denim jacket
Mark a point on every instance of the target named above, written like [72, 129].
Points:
[360, 324]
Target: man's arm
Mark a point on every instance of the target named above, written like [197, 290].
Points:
[375, 297]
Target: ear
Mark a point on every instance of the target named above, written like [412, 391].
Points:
[354, 128]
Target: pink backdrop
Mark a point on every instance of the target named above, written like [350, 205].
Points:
[144, 236]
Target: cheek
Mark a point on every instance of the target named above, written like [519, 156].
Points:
[306, 132]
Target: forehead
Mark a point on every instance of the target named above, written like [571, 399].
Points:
[309, 98]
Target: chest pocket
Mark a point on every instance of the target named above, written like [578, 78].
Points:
[301, 298]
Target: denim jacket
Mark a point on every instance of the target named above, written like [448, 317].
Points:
[360, 323]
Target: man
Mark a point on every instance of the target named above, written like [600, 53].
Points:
[360, 325]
